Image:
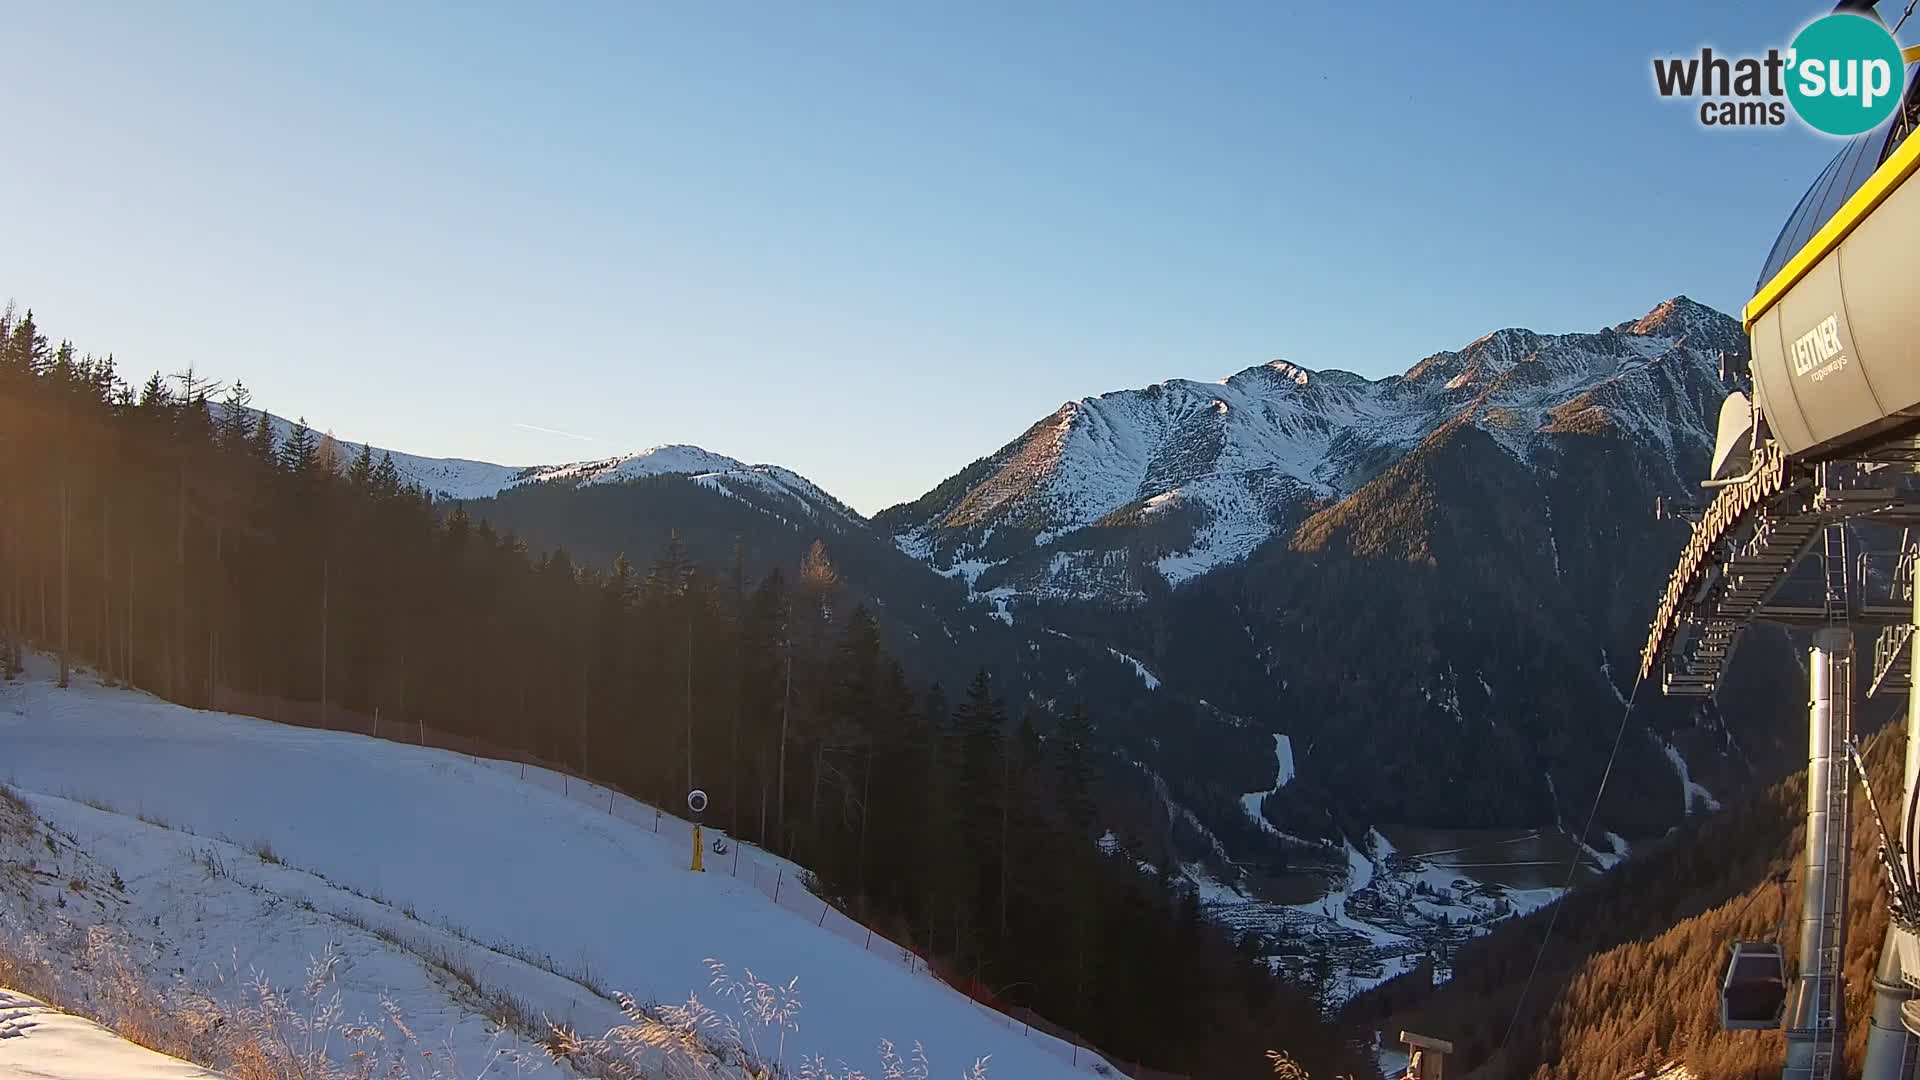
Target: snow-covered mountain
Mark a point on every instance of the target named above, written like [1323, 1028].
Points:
[1417, 583]
[1177, 478]
[462, 479]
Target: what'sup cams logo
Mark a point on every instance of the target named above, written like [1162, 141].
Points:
[1842, 75]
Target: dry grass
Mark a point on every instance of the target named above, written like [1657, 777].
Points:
[263, 1033]
[507, 1012]
[1286, 1068]
[11, 800]
[696, 1041]
[272, 1036]
[118, 1000]
[16, 818]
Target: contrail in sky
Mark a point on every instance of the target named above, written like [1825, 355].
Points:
[556, 431]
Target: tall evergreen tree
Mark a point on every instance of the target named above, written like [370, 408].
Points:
[979, 724]
[300, 453]
[360, 473]
[233, 420]
[260, 444]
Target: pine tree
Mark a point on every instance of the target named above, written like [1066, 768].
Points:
[360, 473]
[386, 477]
[27, 348]
[978, 725]
[261, 443]
[299, 455]
[763, 635]
[668, 575]
[155, 395]
[233, 423]
[1075, 757]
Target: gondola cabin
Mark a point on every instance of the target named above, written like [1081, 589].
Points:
[1753, 994]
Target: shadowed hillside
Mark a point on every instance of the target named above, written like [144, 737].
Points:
[1629, 980]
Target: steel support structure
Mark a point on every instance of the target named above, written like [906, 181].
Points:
[1816, 1019]
[1893, 1052]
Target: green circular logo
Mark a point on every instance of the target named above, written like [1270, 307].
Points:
[1845, 74]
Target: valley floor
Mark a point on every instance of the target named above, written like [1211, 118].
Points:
[1401, 898]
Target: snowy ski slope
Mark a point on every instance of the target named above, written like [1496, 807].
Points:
[457, 844]
[38, 1042]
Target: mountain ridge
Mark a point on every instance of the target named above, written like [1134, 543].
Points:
[467, 479]
[1202, 474]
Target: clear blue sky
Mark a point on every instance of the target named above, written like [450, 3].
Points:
[868, 241]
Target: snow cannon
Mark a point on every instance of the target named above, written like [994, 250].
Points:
[697, 803]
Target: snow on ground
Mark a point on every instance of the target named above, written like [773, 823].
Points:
[1606, 672]
[214, 913]
[1695, 794]
[1392, 1059]
[1001, 602]
[39, 1042]
[416, 841]
[1528, 901]
[655, 461]
[1212, 890]
[1333, 905]
[1616, 853]
[1231, 456]
[1140, 669]
[1380, 911]
[1283, 761]
[461, 479]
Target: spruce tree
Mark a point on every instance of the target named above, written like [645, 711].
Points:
[155, 395]
[360, 473]
[233, 422]
[260, 444]
[979, 723]
[386, 477]
[668, 575]
[299, 455]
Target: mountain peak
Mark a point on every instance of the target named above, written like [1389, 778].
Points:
[1290, 372]
[1273, 373]
[668, 459]
[1676, 318]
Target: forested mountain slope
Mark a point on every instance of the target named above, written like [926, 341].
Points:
[181, 548]
[1433, 584]
[1629, 979]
